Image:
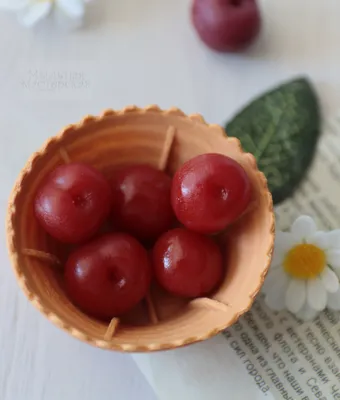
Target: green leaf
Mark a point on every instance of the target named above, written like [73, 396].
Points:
[281, 129]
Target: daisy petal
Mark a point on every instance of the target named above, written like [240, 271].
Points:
[72, 8]
[277, 259]
[303, 227]
[319, 239]
[307, 313]
[275, 298]
[284, 241]
[329, 280]
[316, 294]
[273, 276]
[13, 5]
[334, 301]
[334, 238]
[333, 258]
[296, 295]
[31, 14]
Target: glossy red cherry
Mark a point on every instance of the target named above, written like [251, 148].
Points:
[226, 25]
[141, 201]
[73, 202]
[186, 263]
[108, 276]
[209, 192]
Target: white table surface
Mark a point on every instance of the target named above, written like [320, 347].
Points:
[132, 51]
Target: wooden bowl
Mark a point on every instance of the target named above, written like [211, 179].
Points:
[161, 138]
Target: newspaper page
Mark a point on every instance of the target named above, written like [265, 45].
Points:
[267, 355]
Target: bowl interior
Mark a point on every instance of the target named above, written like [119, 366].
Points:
[130, 137]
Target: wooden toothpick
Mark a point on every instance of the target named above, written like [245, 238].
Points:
[112, 328]
[169, 139]
[211, 303]
[151, 309]
[64, 155]
[42, 255]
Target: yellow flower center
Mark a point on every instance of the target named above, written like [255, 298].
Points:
[305, 261]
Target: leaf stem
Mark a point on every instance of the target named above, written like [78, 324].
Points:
[267, 138]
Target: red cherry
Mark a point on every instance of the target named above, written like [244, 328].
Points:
[108, 276]
[209, 192]
[73, 202]
[186, 263]
[141, 201]
[226, 25]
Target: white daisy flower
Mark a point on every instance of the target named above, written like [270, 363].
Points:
[305, 270]
[32, 11]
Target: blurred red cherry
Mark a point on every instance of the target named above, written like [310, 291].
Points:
[226, 25]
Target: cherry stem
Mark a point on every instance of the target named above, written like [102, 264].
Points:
[151, 309]
[41, 255]
[112, 329]
[64, 155]
[169, 139]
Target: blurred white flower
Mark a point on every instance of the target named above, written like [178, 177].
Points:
[32, 11]
[305, 270]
